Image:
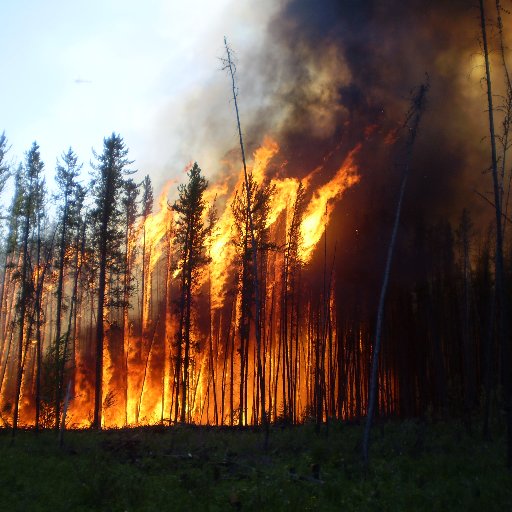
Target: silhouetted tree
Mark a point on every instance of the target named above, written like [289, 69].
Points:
[110, 168]
[230, 65]
[250, 210]
[414, 117]
[501, 296]
[147, 209]
[191, 234]
[32, 171]
[464, 236]
[67, 172]
[131, 192]
[290, 314]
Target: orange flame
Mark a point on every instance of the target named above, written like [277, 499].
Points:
[319, 209]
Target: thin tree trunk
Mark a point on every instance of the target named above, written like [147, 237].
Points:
[146, 367]
[100, 333]
[60, 286]
[64, 412]
[229, 65]
[23, 309]
[40, 279]
[416, 111]
[502, 309]
[79, 250]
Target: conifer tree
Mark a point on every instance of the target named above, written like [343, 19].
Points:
[191, 234]
[147, 209]
[5, 170]
[12, 217]
[111, 168]
[31, 176]
[67, 172]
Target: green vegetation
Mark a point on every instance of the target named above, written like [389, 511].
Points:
[415, 466]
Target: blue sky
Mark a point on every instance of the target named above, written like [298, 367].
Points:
[74, 71]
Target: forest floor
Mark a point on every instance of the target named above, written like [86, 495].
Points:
[414, 466]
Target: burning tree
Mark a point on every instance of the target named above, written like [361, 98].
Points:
[190, 238]
[30, 210]
[111, 169]
[71, 194]
[251, 211]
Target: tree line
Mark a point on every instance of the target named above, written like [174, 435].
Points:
[113, 311]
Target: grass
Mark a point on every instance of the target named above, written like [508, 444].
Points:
[414, 466]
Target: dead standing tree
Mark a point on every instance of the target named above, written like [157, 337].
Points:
[501, 296]
[229, 65]
[412, 123]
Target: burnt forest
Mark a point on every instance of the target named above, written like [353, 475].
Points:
[318, 317]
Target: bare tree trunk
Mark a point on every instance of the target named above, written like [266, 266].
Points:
[229, 65]
[417, 108]
[38, 305]
[60, 287]
[231, 368]
[146, 367]
[100, 333]
[467, 349]
[79, 258]
[22, 313]
[142, 304]
[186, 358]
[126, 328]
[2, 291]
[210, 348]
[64, 412]
[38, 323]
[502, 309]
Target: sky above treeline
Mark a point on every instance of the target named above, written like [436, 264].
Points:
[74, 72]
[312, 75]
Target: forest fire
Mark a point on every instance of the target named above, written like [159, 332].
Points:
[254, 297]
[286, 286]
[141, 366]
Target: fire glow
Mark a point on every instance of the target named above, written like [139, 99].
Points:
[139, 362]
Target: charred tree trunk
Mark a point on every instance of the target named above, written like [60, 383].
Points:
[254, 249]
[501, 299]
[58, 315]
[24, 296]
[415, 113]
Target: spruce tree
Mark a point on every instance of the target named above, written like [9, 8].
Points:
[111, 169]
[191, 234]
[31, 176]
[67, 172]
[5, 171]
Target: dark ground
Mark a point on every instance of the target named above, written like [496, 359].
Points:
[415, 466]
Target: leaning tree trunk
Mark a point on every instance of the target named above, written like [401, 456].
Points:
[501, 299]
[229, 65]
[415, 113]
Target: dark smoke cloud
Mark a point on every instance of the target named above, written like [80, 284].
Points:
[326, 71]
[380, 51]
[333, 68]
